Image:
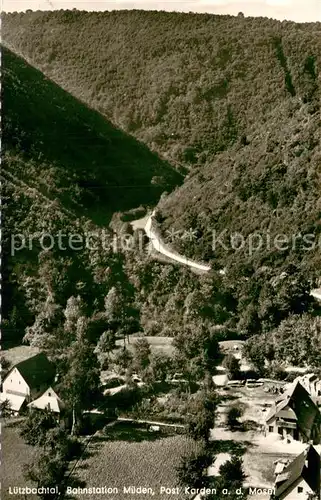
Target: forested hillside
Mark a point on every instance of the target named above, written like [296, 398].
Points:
[188, 85]
[120, 106]
[66, 169]
[73, 154]
[268, 187]
[233, 100]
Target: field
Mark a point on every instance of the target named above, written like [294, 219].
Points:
[164, 344]
[130, 456]
[157, 344]
[16, 454]
[134, 457]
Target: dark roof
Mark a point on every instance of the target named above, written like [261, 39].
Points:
[297, 468]
[301, 403]
[37, 370]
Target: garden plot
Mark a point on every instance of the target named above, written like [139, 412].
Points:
[132, 456]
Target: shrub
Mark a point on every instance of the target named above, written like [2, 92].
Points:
[233, 416]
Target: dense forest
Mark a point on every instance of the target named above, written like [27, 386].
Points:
[231, 101]
[106, 112]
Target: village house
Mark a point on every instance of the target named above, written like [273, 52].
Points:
[49, 400]
[26, 381]
[299, 479]
[295, 415]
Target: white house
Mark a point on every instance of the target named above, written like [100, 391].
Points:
[26, 380]
[49, 400]
[300, 478]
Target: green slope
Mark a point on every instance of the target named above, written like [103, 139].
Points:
[187, 85]
[235, 102]
[268, 187]
[65, 168]
[70, 153]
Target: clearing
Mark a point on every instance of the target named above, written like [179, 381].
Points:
[19, 353]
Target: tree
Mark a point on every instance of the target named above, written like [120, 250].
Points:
[142, 353]
[73, 311]
[201, 419]
[81, 384]
[114, 306]
[297, 340]
[47, 471]
[107, 342]
[58, 441]
[200, 425]
[233, 415]
[192, 470]
[231, 478]
[254, 350]
[5, 408]
[208, 382]
[120, 315]
[44, 329]
[232, 365]
[4, 366]
[160, 365]
[198, 349]
[123, 359]
[232, 470]
[35, 427]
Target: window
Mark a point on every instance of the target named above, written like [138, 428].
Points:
[49, 393]
[280, 430]
[270, 428]
[300, 489]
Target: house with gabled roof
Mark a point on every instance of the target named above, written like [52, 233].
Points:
[295, 415]
[26, 380]
[49, 400]
[300, 479]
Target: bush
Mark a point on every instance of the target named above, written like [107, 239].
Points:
[36, 426]
[4, 366]
[232, 365]
[193, 469]
[278, 373]
[233, 416]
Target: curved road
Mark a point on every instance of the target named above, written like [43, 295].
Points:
[161, 248]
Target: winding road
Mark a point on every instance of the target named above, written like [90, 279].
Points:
[161, 248]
